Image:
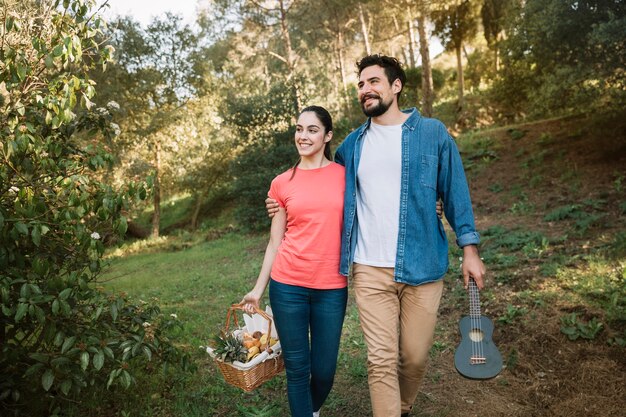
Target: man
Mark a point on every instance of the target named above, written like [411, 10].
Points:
[398, 164]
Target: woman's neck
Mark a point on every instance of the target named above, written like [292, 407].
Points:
[313, 162]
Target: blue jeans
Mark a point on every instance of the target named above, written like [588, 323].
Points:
[310, 366]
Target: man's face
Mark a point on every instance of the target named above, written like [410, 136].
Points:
[376, 94]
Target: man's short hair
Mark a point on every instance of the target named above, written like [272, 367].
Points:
[392, 67]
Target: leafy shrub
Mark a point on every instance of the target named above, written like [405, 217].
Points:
[570, 211]
[574, 328]
[60, 334]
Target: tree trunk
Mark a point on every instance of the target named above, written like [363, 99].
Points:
[196, 209]
[411, 33]
[339, 46]
[428, 96]
[459, 69]
[156, 216]
[364, 30]
[497, 53]
[400, 40]
[291, 58]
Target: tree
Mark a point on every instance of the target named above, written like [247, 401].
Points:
[428, 94]
[456, 23]
[561, 56]
[156, 71]
[60, 334]
[493, 15]
[204, 159]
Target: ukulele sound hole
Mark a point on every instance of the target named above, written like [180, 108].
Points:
[476, 335]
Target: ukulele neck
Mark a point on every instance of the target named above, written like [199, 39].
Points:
[474, 299]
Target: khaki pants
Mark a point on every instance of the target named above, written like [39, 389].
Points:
[398, 321]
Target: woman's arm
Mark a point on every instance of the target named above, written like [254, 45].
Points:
[277, 232]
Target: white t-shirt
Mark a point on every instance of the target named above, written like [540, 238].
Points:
[378, 196]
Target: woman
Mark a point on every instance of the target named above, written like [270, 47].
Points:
[301, 264]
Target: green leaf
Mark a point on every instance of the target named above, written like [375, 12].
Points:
[109, 352]
[114, 373]
[47, 379]
[55, 307]
[123, 226]
[33, 369]
[8, 23]
[84, 360]
[69, 342]
[19, 107]
[22, 228]
[126, 379]
[147, 352]
[22, 308]
[36, 236]
[39, 357]
[21, 74]
[1, 220]
[98, 360]
[58, 339]
[63, 295]
[114, 311]
[49, 61]
[66, 386]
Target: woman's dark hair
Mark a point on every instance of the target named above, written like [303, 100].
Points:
[327, 121]
[392, 67]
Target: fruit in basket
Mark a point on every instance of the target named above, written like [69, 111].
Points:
[252, 352]
[257, 334]
[230, 348]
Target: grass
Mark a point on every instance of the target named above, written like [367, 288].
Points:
[563, 267]
[198, 284]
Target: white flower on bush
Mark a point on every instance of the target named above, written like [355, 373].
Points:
[95, 235]
[112, 105]
[146, 324]
[116, 129]
[174, 315]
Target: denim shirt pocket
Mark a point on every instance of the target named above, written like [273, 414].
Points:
[428, 171]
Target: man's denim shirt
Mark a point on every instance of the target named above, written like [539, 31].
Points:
[431, 168]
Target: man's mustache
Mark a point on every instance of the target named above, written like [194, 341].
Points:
[370, 95]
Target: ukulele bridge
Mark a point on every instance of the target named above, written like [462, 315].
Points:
[476, 360]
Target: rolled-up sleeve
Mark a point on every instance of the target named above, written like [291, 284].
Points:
[453, 189]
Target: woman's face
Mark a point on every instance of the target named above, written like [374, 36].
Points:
[310, 135]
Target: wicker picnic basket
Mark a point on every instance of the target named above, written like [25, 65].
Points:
[249, 379]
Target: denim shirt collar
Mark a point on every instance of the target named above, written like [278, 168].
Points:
[410, 123]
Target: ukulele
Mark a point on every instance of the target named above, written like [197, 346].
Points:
[476, 357]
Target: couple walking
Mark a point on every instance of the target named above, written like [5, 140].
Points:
[371, 211]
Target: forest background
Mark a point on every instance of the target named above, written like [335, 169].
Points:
[122, 141]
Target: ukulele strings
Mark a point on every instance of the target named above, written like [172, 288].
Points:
[477, 347]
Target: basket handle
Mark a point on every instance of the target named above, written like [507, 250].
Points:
[231, 312]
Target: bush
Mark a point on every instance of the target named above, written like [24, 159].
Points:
[59, 332]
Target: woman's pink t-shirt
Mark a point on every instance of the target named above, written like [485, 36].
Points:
[309, 254]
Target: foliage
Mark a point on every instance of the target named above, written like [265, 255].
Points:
[166, 130]
[561, 56]
[575, 328]
[262, 123]
[60, 334]
[511, 314]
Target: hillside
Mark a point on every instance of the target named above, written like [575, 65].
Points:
[550, 204]
[550, 201]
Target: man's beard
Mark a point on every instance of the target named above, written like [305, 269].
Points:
[377, 110]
